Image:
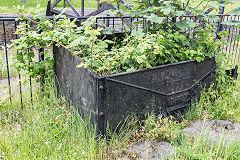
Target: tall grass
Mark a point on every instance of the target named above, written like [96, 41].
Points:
[200, 147]
[3, 66]
[48, 128]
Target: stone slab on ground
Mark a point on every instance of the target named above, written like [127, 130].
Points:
[149, 151]
[213, 129]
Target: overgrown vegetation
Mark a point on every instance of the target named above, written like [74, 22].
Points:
[220, 101]
[139, 49]
[157, 129]
[202, 148]
[49, 129]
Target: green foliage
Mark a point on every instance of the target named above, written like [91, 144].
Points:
[144, 50]
[138, 49]
[48, 128]
[221, 103]
[221, 100]
[160, 12]
[45, 129]
[3, 66]
[200, 147]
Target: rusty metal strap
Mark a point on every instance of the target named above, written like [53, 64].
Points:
[135, 86]
[161, 93]
[182, 105]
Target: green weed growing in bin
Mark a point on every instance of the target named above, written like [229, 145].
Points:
[139, 48]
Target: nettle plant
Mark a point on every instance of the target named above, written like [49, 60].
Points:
[138, 49]
[161, 13]
[161, 41]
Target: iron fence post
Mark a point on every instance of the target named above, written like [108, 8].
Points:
[6, 54]
[41, 59]
[19, 76]
[82, 8]
[49, 9]
[220, 26]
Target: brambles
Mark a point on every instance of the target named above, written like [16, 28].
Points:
[138, 50]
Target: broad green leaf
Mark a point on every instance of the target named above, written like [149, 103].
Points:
[155, 19]
[213, 17]
[186, 24]
[236, 11]
[108, 30]
[139, 59]
[167, 9]
[137, 33]
[80, 41]
[231, 23]
[178, 13]
[148, 65]
[214, 4]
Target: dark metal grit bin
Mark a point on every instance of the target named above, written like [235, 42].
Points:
[162, 89]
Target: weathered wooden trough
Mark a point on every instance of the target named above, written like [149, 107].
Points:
[162, 89]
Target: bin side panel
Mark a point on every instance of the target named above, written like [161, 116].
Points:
[203, 67]
[78, 85]
[121, 100]
[203, 85]
[167, 79]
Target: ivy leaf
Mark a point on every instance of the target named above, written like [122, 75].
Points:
[154, 18]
